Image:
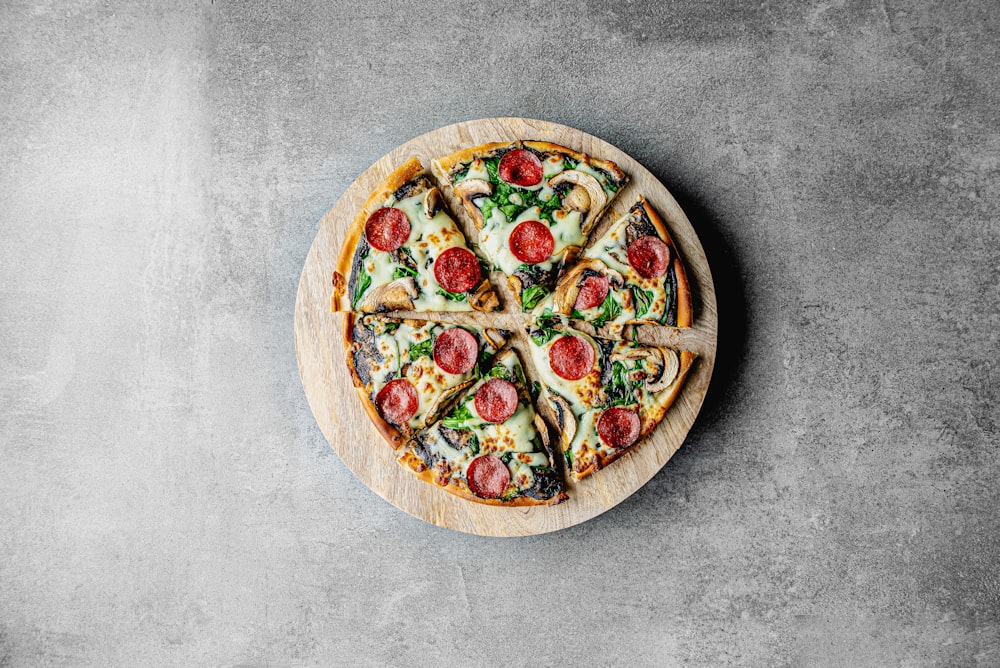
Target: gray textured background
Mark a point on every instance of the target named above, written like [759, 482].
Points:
[166, 498]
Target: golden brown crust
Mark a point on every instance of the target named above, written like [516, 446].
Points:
[444, 166]
[683, 287]
[408, 171]
[600, 461]
[416, 466]
[393, 435]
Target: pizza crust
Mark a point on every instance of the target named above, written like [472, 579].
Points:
[443, 167]
[684, 309]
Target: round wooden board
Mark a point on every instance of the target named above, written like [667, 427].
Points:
[331, 395]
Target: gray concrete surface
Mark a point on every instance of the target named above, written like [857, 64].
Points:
[166, 498]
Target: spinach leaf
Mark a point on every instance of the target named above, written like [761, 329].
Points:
[643, 300]
[512, 211]
[544, 330]
[493, 169]
[364, 280]
[506, 457]
[474, 445]
[610, 309]
[403, 271]
[621, 390]
[422, 349]
[569, 458]
[486, 205]
[569, 163]
[458, 418]
[451, 296]
[390, 327]
[499, 371]
[531, 297]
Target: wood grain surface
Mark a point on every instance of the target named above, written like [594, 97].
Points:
[320, 349]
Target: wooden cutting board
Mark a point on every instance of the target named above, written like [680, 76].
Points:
[320, 348]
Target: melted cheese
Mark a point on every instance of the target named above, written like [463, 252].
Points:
[430, 381]
[427, 240]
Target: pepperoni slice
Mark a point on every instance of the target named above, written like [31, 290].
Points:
[618, 427]
[520, 167]
[397, 402]
[593, 290]
[496, 400]
[532, 242]
[571, 357]
[648, 256]
[387, 229]
[457, 270]
[456, 350]
[487, 476]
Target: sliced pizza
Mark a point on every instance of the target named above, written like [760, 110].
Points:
[492, 447]
[408, 373]
[633, 274]
[534, 203]
[605, 394]
[404, 252]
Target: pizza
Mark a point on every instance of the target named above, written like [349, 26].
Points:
[453, 399]
[605, 394]
[630, 275]
[408, 373]
[534, 204]
[492, 447]
[404, 252]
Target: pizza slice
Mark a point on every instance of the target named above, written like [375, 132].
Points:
[534, 203]
[632, 274]
[404, 252]
[492, 447]
[605, 394]
[408, 373]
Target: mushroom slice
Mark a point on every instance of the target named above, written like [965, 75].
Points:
[484, 298]
[469, 190]
[650, 353]
[432, 203]
[670, 366]
[564, 418]
[444, 401]
[496, 337]
[456, 438]
[395, 295]
[515, 285]
[542, 429]
[593, 195]
[564, 300]
[664, 360]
